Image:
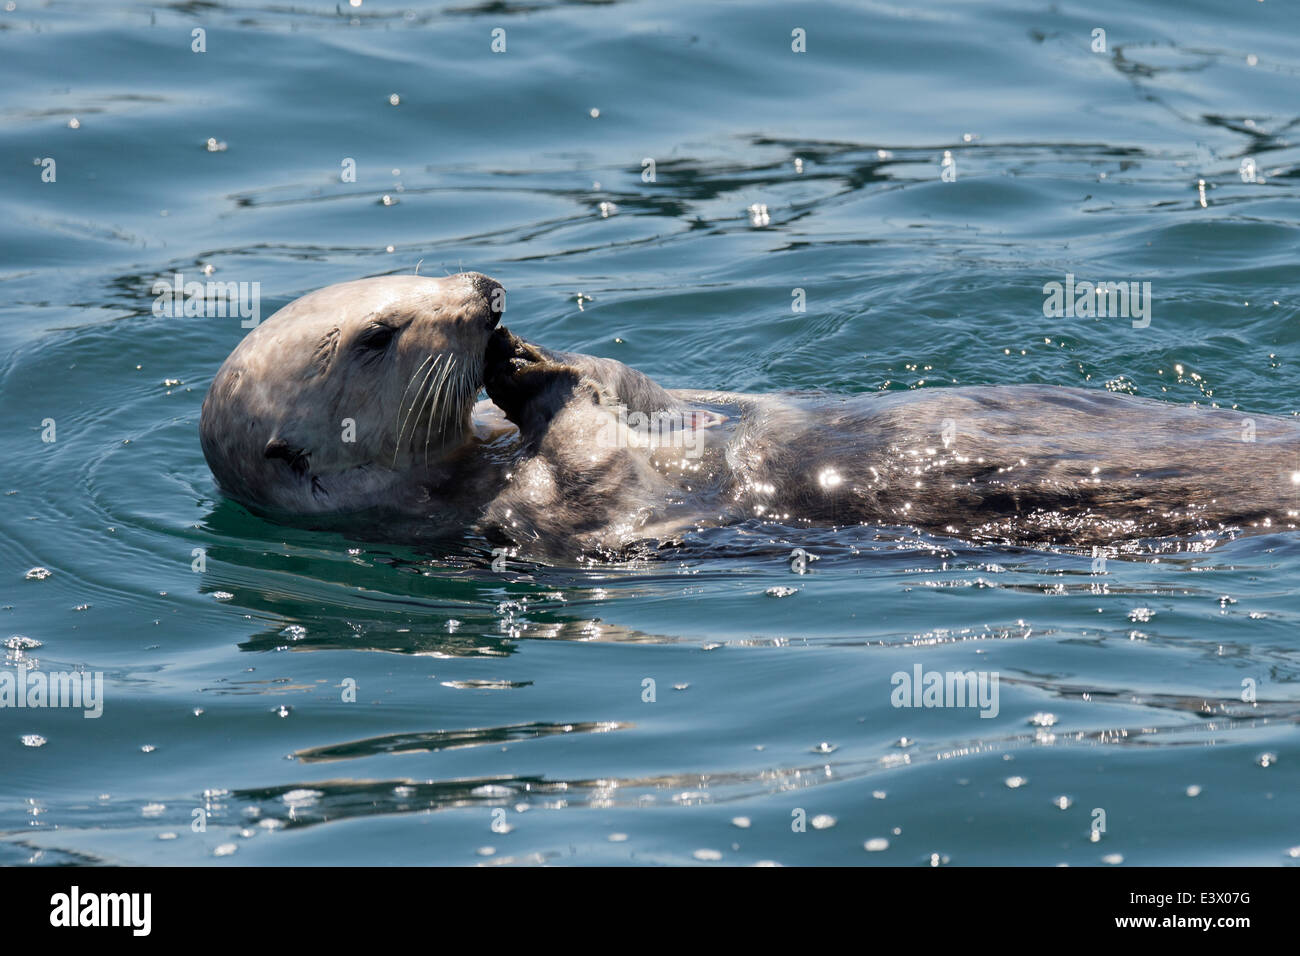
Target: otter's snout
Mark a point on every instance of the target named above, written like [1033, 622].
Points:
[493, 294]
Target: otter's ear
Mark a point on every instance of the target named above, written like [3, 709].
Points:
[292, 455]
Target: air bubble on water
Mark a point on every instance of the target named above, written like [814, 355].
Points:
[594, 113]
[153, 809]
[295, 632]
[758, 214]
[486, 851]
[707, 855]
[1015, 783]
[226, 849]
[394, 99]
[617, 838]
[74, 123]
[33, 740]
[167, 835]
[939, 859]
[491, 790]
[1266, 759]
[270, 823]
[1140, 615]
[284, 710]
[780, 592]
[825, 748]
[20, 642]
[1114, 859]
[680, 686]
[148, 749]
[452, 624]
[608, 209]
[743, 823]
[222, 596]
[38, 574]
[1194, 790]
[798, 165]
[1062, 802]
[878, 794]
[214, 145]
[904, 742]
[823, 821]
[387, 200]
[876, 844]
[1043, 720]
[198, 711]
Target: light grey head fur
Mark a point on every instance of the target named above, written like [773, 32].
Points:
[353, 397]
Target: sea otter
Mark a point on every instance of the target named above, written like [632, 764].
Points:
[358, 401]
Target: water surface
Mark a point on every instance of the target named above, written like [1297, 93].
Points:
[499, 717]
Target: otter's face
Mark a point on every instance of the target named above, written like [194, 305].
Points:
[349, 391]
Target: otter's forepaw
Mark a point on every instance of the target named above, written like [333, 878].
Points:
[525, 382]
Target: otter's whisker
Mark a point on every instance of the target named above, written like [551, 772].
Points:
[451, 412]
[439, 406]
[428, 390]
[401, 402]
[466, 390]
[401, 431]
[430, 396]
[397, 443]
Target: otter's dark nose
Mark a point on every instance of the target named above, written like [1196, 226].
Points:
[493, 293]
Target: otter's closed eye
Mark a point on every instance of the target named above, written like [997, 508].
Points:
[375, 337]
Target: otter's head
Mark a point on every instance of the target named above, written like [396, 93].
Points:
[347, 394]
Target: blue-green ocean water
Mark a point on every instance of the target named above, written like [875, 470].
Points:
[521, 732]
